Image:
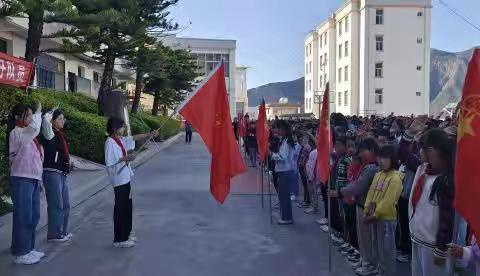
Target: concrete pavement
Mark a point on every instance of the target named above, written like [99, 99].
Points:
[183, 231]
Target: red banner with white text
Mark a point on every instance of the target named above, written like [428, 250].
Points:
[14, 71]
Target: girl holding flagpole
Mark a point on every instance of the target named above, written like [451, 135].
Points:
[117, 160]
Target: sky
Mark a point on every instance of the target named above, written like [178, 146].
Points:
[270, 33]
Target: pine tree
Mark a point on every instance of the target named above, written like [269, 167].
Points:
[113, 29]
[171, 85]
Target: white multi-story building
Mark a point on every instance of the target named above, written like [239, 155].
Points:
[378, 58]
[208, 53]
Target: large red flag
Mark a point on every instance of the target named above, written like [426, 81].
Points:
[467, 173]
[324, 143]
[263, 132]
[209, 113]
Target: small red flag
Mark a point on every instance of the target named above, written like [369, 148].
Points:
[209, 113]
[467, 174]
[263, 132]
[324, 143]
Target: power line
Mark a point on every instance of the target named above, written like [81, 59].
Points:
[457, 13]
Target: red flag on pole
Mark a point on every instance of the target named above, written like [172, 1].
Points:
[241, 129]
[208, 111]
[324, 143]
[467, 174]
[263, 132]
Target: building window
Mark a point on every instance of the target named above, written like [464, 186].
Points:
[306, 69]
[419, 68]
[321, 61]
[419, 40]
[81, 72]
[321, 81]
[346, 74]
[379, 70]
[325, 39]
[339, 98]
[310, 66]
[321, 40]
[347, 25]
[306, 86]
[45, 78]
[346, 48]
[379, 17]
[345, 98]
[96, 77]
[310, 49]
[306, 51]
[379, 43]
[310, 85]
[3, 46]
[340, 28]
[420, 13]
[325, 58]
[339, 75]
[340, 51]
[379, 96]
[325, 79]
[419, 94]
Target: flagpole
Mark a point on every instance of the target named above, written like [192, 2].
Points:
[270, 175]
[262, 170]
[329, 228]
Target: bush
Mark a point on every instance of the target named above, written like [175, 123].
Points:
[86, 131]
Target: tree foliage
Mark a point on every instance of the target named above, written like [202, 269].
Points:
[171, 84]
[112, 29]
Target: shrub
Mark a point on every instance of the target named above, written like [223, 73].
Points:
[86, 131]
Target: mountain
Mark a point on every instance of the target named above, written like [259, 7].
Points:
[447, 74]
[272, 92]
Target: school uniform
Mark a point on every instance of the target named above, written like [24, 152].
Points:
[120, 175]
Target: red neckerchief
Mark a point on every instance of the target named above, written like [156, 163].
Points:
[417, 192]
[120, 144]
[35, 140]
[63, 140]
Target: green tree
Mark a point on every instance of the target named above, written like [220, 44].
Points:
[171, 85]
[113, 29]
[38, 12]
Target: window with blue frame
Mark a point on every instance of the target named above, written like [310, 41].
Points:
[45, 78]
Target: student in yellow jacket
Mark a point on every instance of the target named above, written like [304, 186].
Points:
[381, 209]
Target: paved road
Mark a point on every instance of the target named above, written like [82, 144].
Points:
[183, 231]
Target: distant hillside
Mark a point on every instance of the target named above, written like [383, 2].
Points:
[272, 92]
[447, 74]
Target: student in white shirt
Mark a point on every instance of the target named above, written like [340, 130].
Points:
[117, 160]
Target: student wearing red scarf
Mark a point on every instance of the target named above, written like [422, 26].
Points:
[117, 160]
[430, 210]
[56, 166]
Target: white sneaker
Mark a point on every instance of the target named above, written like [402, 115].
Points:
[323, 221]
[60, 240]
[125, 244]
[37, 254]
[132, 238]
[324, 228]
[69, 236]
[27, 259]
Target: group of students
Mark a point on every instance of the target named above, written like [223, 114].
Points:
[391, 192]
[39, 158]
